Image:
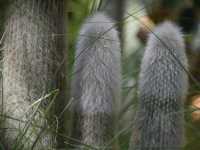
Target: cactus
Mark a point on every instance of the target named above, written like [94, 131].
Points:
[96, 84]
[162, 90]
[32, 57]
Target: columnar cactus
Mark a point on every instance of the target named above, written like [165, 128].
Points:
[96, 85]
[32, 56]
[162, 89]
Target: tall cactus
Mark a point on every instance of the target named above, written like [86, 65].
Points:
[162, 89]
[31, 69]
[96, 83]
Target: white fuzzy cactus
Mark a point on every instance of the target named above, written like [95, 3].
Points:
[96, 85]
[32, 54]
[162, 89]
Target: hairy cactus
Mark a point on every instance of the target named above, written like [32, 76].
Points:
[32, 57]
[162, 89]
[96, 85]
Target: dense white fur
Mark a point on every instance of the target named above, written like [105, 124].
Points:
[31, 56]
[97, 65]
[162, 89]
[96, 85]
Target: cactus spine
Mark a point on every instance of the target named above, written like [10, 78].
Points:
[162, 89]
[96, 83]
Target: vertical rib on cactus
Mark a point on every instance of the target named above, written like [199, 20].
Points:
[96, 83]
[162, 89]
[31, 58]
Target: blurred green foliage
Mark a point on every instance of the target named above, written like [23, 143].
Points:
[78, 11]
